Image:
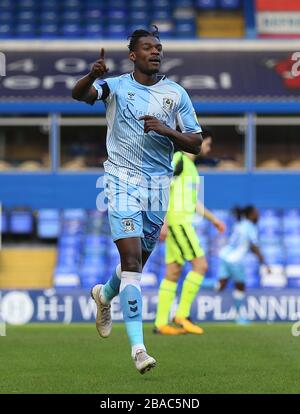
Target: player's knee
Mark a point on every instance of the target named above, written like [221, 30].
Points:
[200, 266]
[203, 267]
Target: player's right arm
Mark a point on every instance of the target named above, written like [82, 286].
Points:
[84, 89]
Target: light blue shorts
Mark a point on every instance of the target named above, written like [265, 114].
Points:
[235, 271]
[135, 211]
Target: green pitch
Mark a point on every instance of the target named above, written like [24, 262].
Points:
[227, 359]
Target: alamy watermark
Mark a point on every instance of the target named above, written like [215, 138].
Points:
[2, 323]
[296, 66]
[295, 330]
[127, 195]
[2, 64]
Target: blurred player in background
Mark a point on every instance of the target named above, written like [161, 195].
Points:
[244, 237]
[142, 111]
[182, 244]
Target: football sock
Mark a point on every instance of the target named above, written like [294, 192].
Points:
[166, 296]
[189, 291]
[111, 287]
[131, 305]
[239, 298]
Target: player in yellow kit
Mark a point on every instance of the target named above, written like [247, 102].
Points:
[182, 244]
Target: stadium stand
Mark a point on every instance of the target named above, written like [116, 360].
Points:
[86, 254]
[115, 19]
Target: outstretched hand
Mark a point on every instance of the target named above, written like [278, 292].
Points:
[153, 124]
[99, 68]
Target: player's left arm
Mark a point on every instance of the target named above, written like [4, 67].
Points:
[203, 211]
[256, 250]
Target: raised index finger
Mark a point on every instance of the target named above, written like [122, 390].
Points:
[102, 53]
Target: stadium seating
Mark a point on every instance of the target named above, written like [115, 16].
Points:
[112, 19]
[86, 254]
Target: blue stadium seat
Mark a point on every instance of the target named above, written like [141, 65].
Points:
[74, 214]
[65, 276]
[48, 17]
[138, 5]
[49, 3]
[164, 5]
[291, 221]
[270, 218]
[27, 4]
[6, 31]
[229, 4]
[26, 30]
[21, 222]
[6, 18]
[49, 31]
[117, 16]
[72, 4]
[7, 6]
[92, 16]
[26, 17]
[116, 31]
[274, 254]
[4, 221]
[183, 4]
[160, 15]
[291, 240]
[90, 276]
[48, 223]
[206, 4]
[116, 4]
[93, 30]
[73, 17]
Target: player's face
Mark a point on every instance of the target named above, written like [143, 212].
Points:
[255, 215]
[147, 55]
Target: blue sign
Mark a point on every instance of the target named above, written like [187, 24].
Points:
[76, 305]
[207, 76]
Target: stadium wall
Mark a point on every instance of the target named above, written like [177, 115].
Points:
[222, 190]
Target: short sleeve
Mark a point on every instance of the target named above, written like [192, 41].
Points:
[112, 84]
[186, 115]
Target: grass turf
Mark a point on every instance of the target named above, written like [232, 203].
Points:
[60, 358]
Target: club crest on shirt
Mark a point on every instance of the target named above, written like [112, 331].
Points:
[128, 225]
[168, 104]
[130, 96]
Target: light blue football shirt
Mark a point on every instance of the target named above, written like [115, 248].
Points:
[244, 234]
[135, 156]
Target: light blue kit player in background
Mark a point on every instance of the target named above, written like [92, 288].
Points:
[143, 110]
[243, 239]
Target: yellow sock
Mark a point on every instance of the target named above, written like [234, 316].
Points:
[189, 291]
[166, 296]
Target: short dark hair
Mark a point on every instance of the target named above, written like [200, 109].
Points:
[206, 132]
[137, 34]
[243, 212]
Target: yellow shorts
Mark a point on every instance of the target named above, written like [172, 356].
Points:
[182, 244]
